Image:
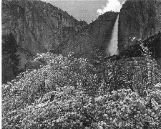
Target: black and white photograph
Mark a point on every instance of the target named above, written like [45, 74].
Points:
[80, 64]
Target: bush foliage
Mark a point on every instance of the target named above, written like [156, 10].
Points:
[68, 92]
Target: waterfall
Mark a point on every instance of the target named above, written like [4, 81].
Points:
[112, 48]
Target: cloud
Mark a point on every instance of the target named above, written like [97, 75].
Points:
[111, 5]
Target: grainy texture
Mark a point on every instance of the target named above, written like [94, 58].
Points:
[140, 19]
[40, 27]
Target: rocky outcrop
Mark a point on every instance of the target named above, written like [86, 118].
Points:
[102, 28]
[36, 25]
[139, 19]
[153, 44]
[81, 44]
[39, 27]
[90, 37]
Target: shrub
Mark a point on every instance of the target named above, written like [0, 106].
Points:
[66, 93]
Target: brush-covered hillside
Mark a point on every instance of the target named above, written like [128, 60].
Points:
[69, 92]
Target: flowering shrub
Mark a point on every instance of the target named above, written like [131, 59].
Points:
[126, 109]
[136, 73]
[64, 93]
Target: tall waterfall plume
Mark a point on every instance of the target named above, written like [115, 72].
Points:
[112, 48]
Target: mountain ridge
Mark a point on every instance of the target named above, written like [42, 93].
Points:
[39, 27]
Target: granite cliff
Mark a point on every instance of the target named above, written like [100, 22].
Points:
[92, 37]
[139, 19]
[102, 28]
[38, 27]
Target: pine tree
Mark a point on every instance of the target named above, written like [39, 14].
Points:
[9, 49]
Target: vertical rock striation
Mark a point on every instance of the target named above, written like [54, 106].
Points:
[139, 19]
[39, 27]
[36, 25]
[101, 29]
[94, 36]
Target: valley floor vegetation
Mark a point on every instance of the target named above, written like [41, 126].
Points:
[69, 92]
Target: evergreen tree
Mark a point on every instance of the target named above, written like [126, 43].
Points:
[9, 49]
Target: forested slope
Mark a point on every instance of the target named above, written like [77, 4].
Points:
[69, 92]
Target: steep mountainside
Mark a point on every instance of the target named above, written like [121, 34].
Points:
[91, 37]
[38, 27]
[139, 19]
[102, 29]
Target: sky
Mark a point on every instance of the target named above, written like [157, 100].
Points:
[87, 10]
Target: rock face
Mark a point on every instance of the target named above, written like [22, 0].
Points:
[139, 19]
[36, 27]
[82, 45]
[39, 27]
[94, 36]
[102, 28]
[153, 44]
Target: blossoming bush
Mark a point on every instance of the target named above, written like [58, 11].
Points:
[31, 86]
[64, 93]
[135, 73]
[126, 109]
